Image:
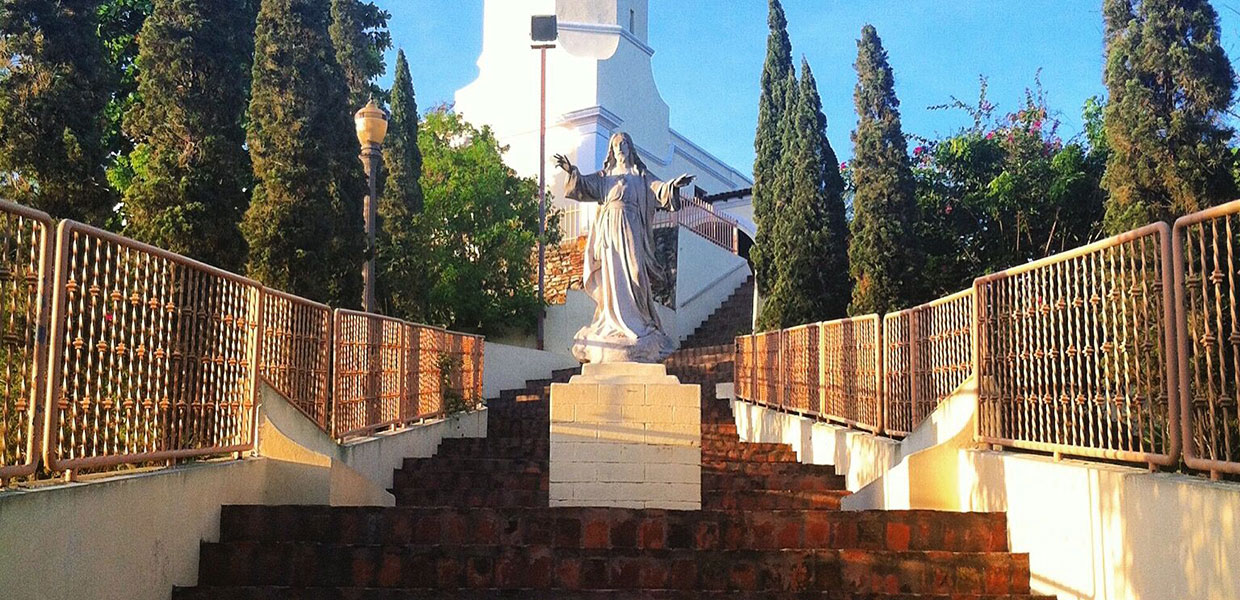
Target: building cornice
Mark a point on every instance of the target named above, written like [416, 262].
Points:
[594, 114]
[605, 29]
[680, 142]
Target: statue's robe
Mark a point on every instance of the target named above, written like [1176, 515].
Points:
[620, 266]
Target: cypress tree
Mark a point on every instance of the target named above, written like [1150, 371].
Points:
[813, 282]
[191, 171]
[1170, 86]
[884, 255]
[768, 144]
[360, 37]
[52, 99]
[401, 277]
[304, 223]
[776, 237]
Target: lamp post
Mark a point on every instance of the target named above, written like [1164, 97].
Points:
[372, 125]
[543, 33]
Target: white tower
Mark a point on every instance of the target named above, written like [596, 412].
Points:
[599, 81]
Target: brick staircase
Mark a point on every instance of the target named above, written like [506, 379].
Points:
[473, 523]
[733, 317]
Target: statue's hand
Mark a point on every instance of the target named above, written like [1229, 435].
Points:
[683, 180]
[562, 162]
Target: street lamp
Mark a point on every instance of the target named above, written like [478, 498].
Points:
[372, 125]
[543, 33]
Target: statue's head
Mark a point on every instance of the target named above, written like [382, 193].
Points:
[621, 144]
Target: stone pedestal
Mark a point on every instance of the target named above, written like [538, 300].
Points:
[626, 435]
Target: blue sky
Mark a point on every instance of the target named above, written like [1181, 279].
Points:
[709, 53]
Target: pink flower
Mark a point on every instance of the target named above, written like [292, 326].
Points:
[947, 210]
[918, 151]
[843, 166]
[990, 135]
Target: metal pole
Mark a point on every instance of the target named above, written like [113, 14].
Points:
[542, 196]
[370, 161]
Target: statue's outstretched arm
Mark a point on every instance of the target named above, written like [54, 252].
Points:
[581, 187]
[667, 193]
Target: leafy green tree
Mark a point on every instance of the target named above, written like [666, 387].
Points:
[304, 223]
[360, 36]
[813, 282]
[401, 278]
[1004, 192]
[479, 227]
[884, 257]
[1170, 86]
[768, 142]
[192, 172]
[54, 86]
[119, 24]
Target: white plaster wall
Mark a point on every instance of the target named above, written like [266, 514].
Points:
[133, 537]
[860, 457]
[599, 81]
[1093, 531]
[508, 367]
[705, 276]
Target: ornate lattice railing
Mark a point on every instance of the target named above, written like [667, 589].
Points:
[152, 355]
[297, 352]
[25, 253]
[389, 372]
[1206, 289]
[852, 373]
[1075, 352]
[832, 369]
[928, 354]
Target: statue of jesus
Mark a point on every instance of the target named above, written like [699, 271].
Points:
[619, 256]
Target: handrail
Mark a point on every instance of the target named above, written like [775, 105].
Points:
[1207, 321]
[26, 243]
[297, 352]
[1075, 352]
[152, 355]
[928, 354]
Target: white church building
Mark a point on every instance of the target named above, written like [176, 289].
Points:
[600, 81]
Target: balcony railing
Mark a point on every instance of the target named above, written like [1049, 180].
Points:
[119, 353]
[1127, 349]
[695, 214]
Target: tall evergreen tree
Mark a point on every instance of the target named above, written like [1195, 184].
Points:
[776, 240]
[1170, 87]
[192, 172]
[401, 279]
[120, 21]
[360, 37]
[304, 223]
[54, 86]
[768, 142]
[884, 255]
[813, 282]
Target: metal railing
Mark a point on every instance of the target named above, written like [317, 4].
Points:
[1075, 352]
[928, 354]
[1208, 324]
[25, 254]
[832, 370]
[297, 352]
[152, 356]
[852, 372]
[119, 353]
[390, 372]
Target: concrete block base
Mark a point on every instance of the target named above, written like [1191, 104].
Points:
[626, 435]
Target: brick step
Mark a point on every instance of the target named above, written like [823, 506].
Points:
[813, 483]
[474, 497]
[289, 593]
[451, 480]
[477, 464]
[772, 499]
[741, 467]
[725, 453]
[539, 568]
[617, 528]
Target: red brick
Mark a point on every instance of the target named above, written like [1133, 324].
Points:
[898, 535]
[652, 535]
[597, 534]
